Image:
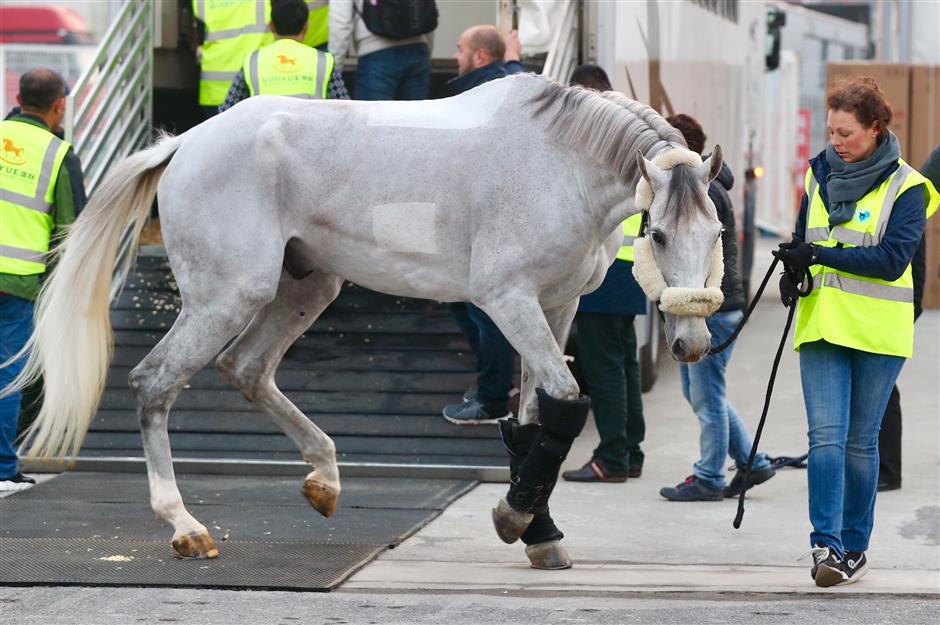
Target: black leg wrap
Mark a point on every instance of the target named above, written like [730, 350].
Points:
[561, 422]
[518, 440]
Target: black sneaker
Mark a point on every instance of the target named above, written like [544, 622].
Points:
[756, 477]
[472, 413]
[827, 566]
[16, 483]
[692, 489]
[855, 566]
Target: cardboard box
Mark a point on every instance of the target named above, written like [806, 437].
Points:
[894, 80]
[925, 113]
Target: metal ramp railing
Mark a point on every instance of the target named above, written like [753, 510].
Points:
[563, 55]
[108, 113]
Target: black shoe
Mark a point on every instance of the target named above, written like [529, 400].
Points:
[827, 566]
[886, 485]
[16, 483]
[593, 471]
[635, 470]
[472, 413]
[855, 566]
[756, 477]
[692, 489]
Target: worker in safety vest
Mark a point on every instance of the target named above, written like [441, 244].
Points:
[318, 24]
[607, 350]
[41, 190]
[287, 66]
[862, 217]
[229, 29]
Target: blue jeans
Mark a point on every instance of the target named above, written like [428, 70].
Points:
[16, 325]
[723, 433]
[397, 73]
[496, 358]
[845, 391]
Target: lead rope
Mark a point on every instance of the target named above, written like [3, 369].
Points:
[773, 371]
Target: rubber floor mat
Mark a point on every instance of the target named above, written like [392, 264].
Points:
[98, 529]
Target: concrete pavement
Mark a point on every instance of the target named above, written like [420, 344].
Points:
[626, 538]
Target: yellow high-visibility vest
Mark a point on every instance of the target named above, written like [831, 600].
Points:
[288, 67]
[233, 29]
[631, 230]
[856, 311]
[318, 24]
[30, 158]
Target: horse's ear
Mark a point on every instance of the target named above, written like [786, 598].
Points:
[712, 165]
[653, 174]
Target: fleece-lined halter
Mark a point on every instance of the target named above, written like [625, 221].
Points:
[683, 301]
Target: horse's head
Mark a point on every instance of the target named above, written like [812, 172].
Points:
[679, 257]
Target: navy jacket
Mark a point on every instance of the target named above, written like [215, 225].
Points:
[496, 69]
[888, 259]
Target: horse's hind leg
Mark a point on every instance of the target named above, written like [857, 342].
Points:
[251, 360]
[194, 339]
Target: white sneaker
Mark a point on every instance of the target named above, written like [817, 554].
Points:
[16, 483]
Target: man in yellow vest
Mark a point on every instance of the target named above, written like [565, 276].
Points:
[287, 66]
[229, 29]
[41, 190]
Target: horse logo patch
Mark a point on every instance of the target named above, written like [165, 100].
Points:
[12, 153]
[286, 64]
[862, 216]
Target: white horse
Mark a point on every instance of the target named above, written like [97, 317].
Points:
[510, 196]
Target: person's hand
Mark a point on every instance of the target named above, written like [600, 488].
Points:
[513, 47]
[789, 290]
[797, 256]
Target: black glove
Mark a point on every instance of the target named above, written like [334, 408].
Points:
[789, 290]
[797, 256]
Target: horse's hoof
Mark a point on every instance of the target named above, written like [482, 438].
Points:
[322, 497]
[509, 524]
[195, 544]
[549, 555]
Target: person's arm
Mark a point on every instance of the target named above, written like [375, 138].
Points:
[336, 88]
[69, 193]
[888, 259]
[919, 275]
[236, 93]
[342, 24]
[799, 231]
[511, 61]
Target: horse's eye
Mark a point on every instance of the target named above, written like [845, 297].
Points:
[658, 237]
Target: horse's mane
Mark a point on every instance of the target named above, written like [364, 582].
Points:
[609, 126]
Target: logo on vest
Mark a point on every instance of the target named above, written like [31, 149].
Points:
[286, 64]
[862, 216]
[12, 153]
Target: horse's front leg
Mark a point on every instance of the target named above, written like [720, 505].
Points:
[561, 410]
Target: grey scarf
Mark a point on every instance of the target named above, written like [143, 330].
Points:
[848, 182]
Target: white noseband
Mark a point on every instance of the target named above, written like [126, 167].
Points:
[683, 301]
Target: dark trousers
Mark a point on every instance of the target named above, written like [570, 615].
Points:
[889, 441]
[496, 358]
[607, 354]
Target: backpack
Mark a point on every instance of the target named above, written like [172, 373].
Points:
[399, 19]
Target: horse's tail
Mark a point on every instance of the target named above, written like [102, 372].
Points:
[71, 345]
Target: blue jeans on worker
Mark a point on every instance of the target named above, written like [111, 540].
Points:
[496, 358]
[845, 391]
[722, 433]
[16, 325]
[396, 73]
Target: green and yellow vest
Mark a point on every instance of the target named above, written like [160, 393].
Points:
[855, 311]
[631, 230]
[288, 67]
[30, 159]
[318, 24]
[233, 29]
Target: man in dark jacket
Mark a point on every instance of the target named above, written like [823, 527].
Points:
[483, 55]
[889, 438]
[723, 433]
